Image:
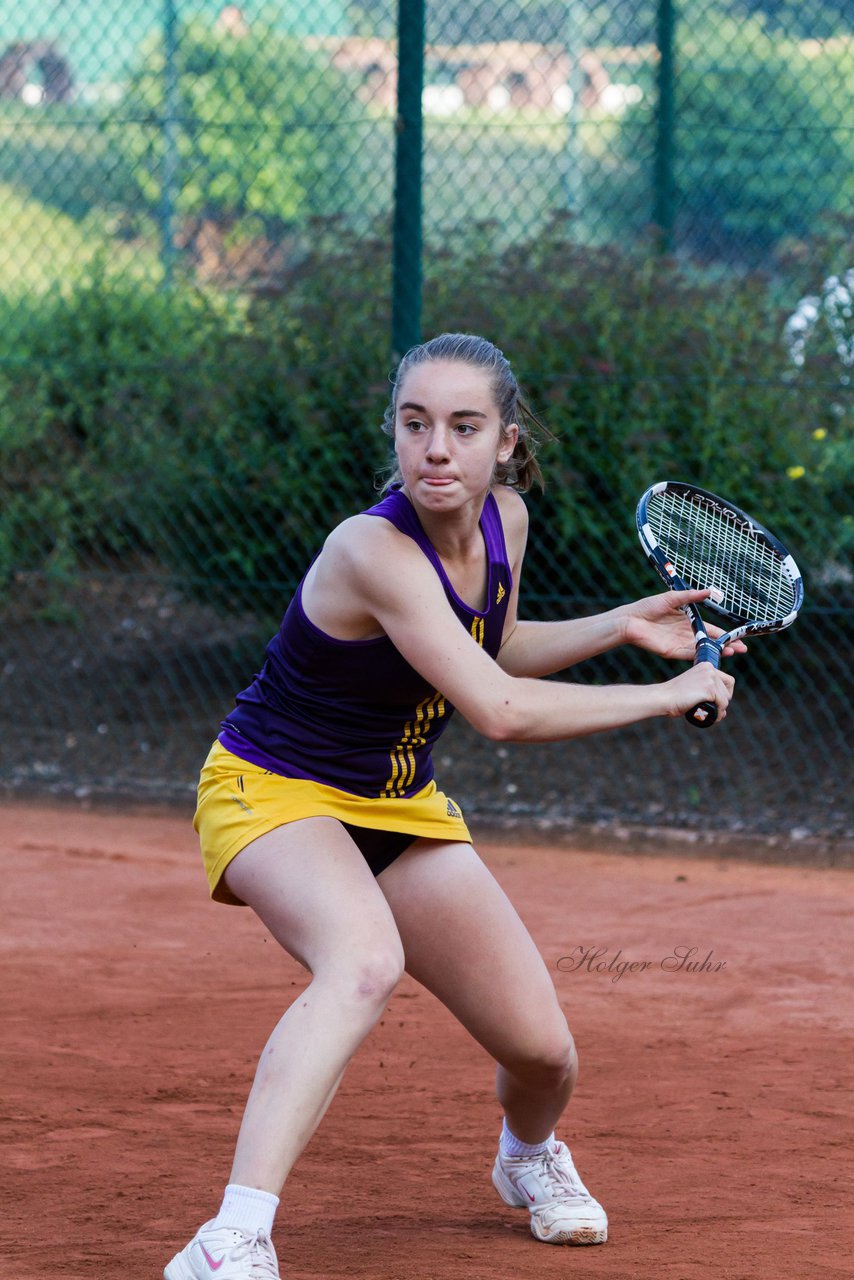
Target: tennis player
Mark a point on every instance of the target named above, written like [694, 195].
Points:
[318, 807]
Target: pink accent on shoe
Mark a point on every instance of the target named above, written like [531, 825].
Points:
[214, 1266]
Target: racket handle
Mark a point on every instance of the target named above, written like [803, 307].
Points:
[704, 714]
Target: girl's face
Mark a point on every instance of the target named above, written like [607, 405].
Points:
[447, 434]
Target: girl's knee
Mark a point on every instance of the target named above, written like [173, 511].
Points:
[363, 972]
[547, 1065]
[377, 972]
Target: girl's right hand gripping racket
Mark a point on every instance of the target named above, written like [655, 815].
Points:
[695, 540]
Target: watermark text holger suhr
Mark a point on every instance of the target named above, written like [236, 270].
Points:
[681, 959]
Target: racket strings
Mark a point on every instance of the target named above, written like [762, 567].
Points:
[709, 547]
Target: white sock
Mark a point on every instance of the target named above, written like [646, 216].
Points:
[511, 1146]
[247, 1209]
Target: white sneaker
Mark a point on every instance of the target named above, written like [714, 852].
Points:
[562, 1209]
[226, 1254]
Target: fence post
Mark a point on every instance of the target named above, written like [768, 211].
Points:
[663, 209]
[170, 151]
[574, 83]
[407, 232]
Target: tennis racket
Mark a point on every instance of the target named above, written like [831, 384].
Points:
[696, 541]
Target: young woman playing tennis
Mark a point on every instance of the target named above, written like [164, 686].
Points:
[318, 809]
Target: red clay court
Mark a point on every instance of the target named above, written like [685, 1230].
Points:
[713, 1117]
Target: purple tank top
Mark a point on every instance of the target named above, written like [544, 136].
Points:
[353, 714]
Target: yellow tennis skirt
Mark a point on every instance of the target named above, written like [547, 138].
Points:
[239, 801]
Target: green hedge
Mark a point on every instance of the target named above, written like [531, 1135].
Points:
[221, 437]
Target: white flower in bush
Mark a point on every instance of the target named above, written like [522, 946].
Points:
[834, 305]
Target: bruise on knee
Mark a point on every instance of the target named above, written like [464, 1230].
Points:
[378, 976]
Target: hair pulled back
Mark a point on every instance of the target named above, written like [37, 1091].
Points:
[521, 470]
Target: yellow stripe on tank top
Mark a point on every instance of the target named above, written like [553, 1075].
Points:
[402, 754]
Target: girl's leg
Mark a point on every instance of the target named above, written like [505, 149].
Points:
[465, 942]
[311, 887]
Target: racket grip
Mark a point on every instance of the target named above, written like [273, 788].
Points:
[704, 714]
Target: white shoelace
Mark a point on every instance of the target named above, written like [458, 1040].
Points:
[258, 1249]
[560, 1171]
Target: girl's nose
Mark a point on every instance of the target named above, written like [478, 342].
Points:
[437, 445]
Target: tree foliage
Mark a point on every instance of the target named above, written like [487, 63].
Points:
[758, 151]
[259, 123]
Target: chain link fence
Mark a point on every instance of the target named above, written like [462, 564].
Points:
[648, 206]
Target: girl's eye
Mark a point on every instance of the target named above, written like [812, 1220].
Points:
[414, 425]
[465, 428]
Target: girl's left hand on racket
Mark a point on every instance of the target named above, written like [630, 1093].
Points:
[660, 624]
